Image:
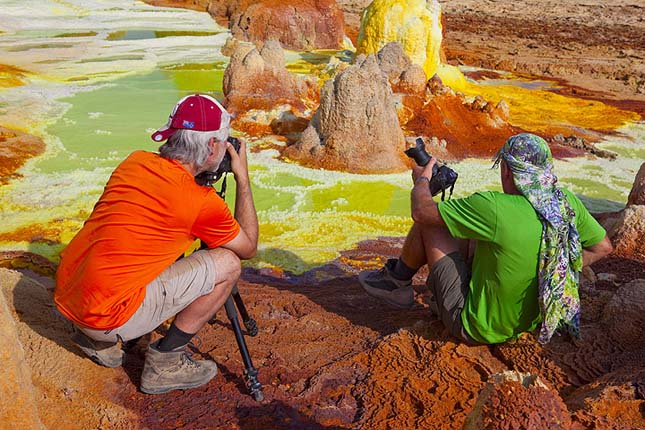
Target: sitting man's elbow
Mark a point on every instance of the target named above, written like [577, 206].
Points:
[418, 216]
[608, 248]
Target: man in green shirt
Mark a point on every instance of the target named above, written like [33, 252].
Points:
[530, 243]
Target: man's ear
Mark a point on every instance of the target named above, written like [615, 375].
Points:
[211, 145]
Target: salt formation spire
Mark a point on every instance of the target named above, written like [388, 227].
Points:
[415, 24]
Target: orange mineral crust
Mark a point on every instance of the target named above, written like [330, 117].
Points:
[199, 5]
[330, 357]
[11, 76]
[510, 405]
[299, 25]
[476, 129]
[49, 233]
[15, 149]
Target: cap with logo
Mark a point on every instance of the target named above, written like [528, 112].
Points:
[197, 112]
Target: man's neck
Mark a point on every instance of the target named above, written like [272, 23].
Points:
[190, 168]
[509, 187]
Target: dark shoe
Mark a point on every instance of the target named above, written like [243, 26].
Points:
[434, 308]
[174, 370]
[104, 353]
[382, 285]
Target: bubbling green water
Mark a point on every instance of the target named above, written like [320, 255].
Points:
[101, 127]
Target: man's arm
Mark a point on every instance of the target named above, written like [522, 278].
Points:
[594, 253]
[245, 244]
[424, 209]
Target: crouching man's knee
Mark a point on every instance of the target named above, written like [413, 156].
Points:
[227, 266]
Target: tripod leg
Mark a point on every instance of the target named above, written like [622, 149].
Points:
[250, 372]
[249, 323]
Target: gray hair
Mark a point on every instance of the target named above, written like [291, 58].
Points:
[190, 146]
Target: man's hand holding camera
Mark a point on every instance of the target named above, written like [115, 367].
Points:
[439, 178]
[423, 174]
[424, 208]
[239, 164]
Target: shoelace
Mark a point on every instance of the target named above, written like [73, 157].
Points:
[187, 360]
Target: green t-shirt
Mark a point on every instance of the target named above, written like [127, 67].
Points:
[503, 297]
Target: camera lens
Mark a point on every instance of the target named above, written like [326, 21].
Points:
[418, 153]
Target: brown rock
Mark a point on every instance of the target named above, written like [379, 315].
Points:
[259, 80]
[220, 10]
[513, 400]
[393, 60]
[637, 194]
[613, 401]
[356, 127]
[223, 10]
[503, 110]
[297, 24]
[436, 87]
[626, 230]
[625, 315]
[352, 9]
[413, 80]
[232, 45]
[70, 390]
[479, 104]
[18, 409]
[404, 76]
[27, 260]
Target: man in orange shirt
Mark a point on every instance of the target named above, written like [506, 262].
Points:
[119, 278]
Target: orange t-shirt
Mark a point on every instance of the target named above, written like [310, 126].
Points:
[150, 212]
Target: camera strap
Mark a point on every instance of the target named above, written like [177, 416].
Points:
[222, 191]
[443, 192]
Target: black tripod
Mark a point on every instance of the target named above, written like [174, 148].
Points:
[250, 372]
[208, 179]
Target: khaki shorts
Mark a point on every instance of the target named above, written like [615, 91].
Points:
[174, 289]
[448, 281]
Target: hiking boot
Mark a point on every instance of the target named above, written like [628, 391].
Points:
[107, 354]
[382, 285]
[174, 370]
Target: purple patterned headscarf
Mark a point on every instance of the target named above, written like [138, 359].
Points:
[529, 158]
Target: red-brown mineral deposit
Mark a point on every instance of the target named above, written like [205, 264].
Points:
[518, 401]
[297, 25]
[15, 149]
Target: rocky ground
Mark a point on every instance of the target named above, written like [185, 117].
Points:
[329, 356]
[594, 45]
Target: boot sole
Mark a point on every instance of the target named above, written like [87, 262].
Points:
[93, 354]
[383, 295]
[167, 389]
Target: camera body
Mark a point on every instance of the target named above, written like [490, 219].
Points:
[225, 165]
[443, 177]
[208, 178]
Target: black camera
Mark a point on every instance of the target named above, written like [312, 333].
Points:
[443, 177]
[208, 178]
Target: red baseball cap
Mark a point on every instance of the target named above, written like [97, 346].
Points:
[197, 112]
